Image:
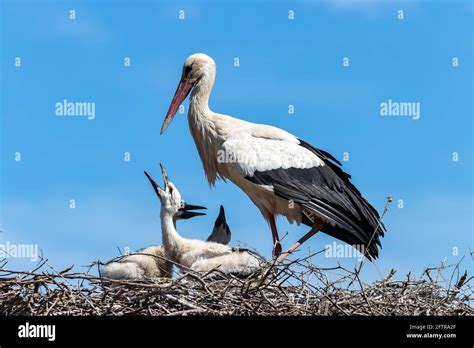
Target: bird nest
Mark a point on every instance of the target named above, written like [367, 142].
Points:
[294, 288]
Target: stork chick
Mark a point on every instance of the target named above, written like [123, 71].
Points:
[197, 255]
[149, 262]
[221, 231]
[145, 263]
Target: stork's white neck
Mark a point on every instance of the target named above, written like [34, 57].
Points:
[170, 236]
[200, 95]
[202, 124]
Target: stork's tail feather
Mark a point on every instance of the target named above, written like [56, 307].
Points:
[368, 248]
[360, 225]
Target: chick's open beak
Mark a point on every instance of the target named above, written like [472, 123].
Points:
[186, 212]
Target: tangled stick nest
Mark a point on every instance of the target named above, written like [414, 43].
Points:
[294, 288]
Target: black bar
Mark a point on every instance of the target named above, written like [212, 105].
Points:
[241, 330]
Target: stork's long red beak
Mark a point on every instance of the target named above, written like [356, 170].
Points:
[181, 93]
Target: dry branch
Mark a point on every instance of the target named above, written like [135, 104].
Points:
[293, 288]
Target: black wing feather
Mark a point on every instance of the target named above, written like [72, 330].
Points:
[327, 190]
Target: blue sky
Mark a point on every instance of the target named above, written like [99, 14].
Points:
[282, 62]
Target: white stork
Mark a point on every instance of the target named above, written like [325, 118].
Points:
[280, 173]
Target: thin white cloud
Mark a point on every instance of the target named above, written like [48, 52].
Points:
[52, 21]
[84, 27]
[369, 8]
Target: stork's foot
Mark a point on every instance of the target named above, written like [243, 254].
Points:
[276, 249]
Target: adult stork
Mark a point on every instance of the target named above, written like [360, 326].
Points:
[280, 173]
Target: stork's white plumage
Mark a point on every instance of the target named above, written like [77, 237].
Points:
[280, 173]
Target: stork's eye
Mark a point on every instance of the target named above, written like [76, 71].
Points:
[187, 70]
[171, 189]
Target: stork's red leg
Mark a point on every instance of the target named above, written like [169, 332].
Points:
[317, 226]
[276, 238]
